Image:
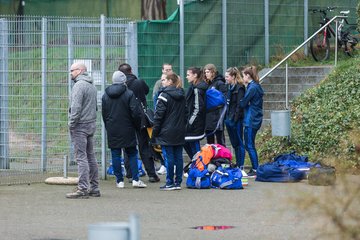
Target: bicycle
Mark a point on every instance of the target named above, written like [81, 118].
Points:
[320, 44]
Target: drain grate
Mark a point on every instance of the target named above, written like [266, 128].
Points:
[212, 228]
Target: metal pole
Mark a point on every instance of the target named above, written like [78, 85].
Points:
[66, 163]
[266, 24]
[4, 104]
[70, 59]
[224, 35]
[103, 75]
[44, 93]
[182, 41]
[132, 53]
[286, 86]
[306, 24]
[336, 41]
[134, 227]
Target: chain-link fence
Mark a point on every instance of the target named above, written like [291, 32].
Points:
[36, 54]
[35, 86]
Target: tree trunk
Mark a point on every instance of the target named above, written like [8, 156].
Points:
[153, 9]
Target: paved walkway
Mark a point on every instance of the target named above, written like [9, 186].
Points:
[261, 211]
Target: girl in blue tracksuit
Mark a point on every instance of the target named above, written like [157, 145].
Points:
[253, 105]
[235, 114]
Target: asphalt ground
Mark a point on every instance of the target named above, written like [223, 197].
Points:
[260, 211]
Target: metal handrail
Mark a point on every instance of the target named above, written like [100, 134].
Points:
[301, 45]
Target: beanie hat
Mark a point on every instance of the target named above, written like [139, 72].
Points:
[118, 77]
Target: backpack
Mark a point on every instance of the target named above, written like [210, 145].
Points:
[202, 158]
[198, 179]
[221, 152]
[214, 99]
[227, 178]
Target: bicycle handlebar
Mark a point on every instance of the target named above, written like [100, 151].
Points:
[323, 10]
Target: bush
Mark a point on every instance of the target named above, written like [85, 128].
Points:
[323, 120]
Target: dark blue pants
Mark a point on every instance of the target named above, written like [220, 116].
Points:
[235, 131]
[116, 162]
[249, 137]
[191, 148]
[173, 157]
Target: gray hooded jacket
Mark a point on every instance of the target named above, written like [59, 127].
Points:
[83, 101]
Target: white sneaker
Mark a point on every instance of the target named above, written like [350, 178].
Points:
[120, 185]
[138, 184]
[162, 170]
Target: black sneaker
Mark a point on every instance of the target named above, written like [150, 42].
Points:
[167, 187]
[177, 186]
[252, 173]
[154, 179]
[78, 194]
[94, 193]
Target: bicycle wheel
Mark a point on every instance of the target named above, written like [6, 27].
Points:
[320, 48]
[350, 45]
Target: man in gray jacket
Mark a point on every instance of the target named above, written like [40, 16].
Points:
[82, 125]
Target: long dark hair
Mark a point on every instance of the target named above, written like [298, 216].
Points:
[198, 72]
[252, 72]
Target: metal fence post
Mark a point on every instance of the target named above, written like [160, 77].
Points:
[181, 41]
[103, 80]
[43, 93]
[306, 24]
[133, 48]
[266, 28]
[224, 34]
[4, 101]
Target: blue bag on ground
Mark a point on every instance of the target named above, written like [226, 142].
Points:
[214, 99]
[288, 167]
[198, 179]
[226, 178]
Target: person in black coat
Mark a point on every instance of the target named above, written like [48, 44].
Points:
[141, 89]
[121, 114]
[169, 129]
[235, 113]
[214, 80]
[195, 111]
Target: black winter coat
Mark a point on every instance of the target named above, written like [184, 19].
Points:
[196, 111]
[212, 117]
[140, 89]
[121, 113]
[234, 95]
[170, 119]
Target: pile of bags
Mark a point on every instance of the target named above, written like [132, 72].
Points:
[211, 167]
[290, 167]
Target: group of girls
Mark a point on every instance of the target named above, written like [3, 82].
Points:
[181, 120]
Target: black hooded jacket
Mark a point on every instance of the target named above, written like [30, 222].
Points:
[138, 86]
[196, 111]
[170, 119]
[121, 113]
[212, 117]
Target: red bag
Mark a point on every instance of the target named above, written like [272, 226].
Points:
[221, 152]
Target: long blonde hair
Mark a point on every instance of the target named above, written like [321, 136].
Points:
[234, 72]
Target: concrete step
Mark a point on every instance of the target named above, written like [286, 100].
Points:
[309, 79]
[282, 87]
[298, 71]
[300, 79]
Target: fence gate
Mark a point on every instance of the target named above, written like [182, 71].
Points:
[36, 54]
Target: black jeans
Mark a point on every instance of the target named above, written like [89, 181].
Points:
[145, 153]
